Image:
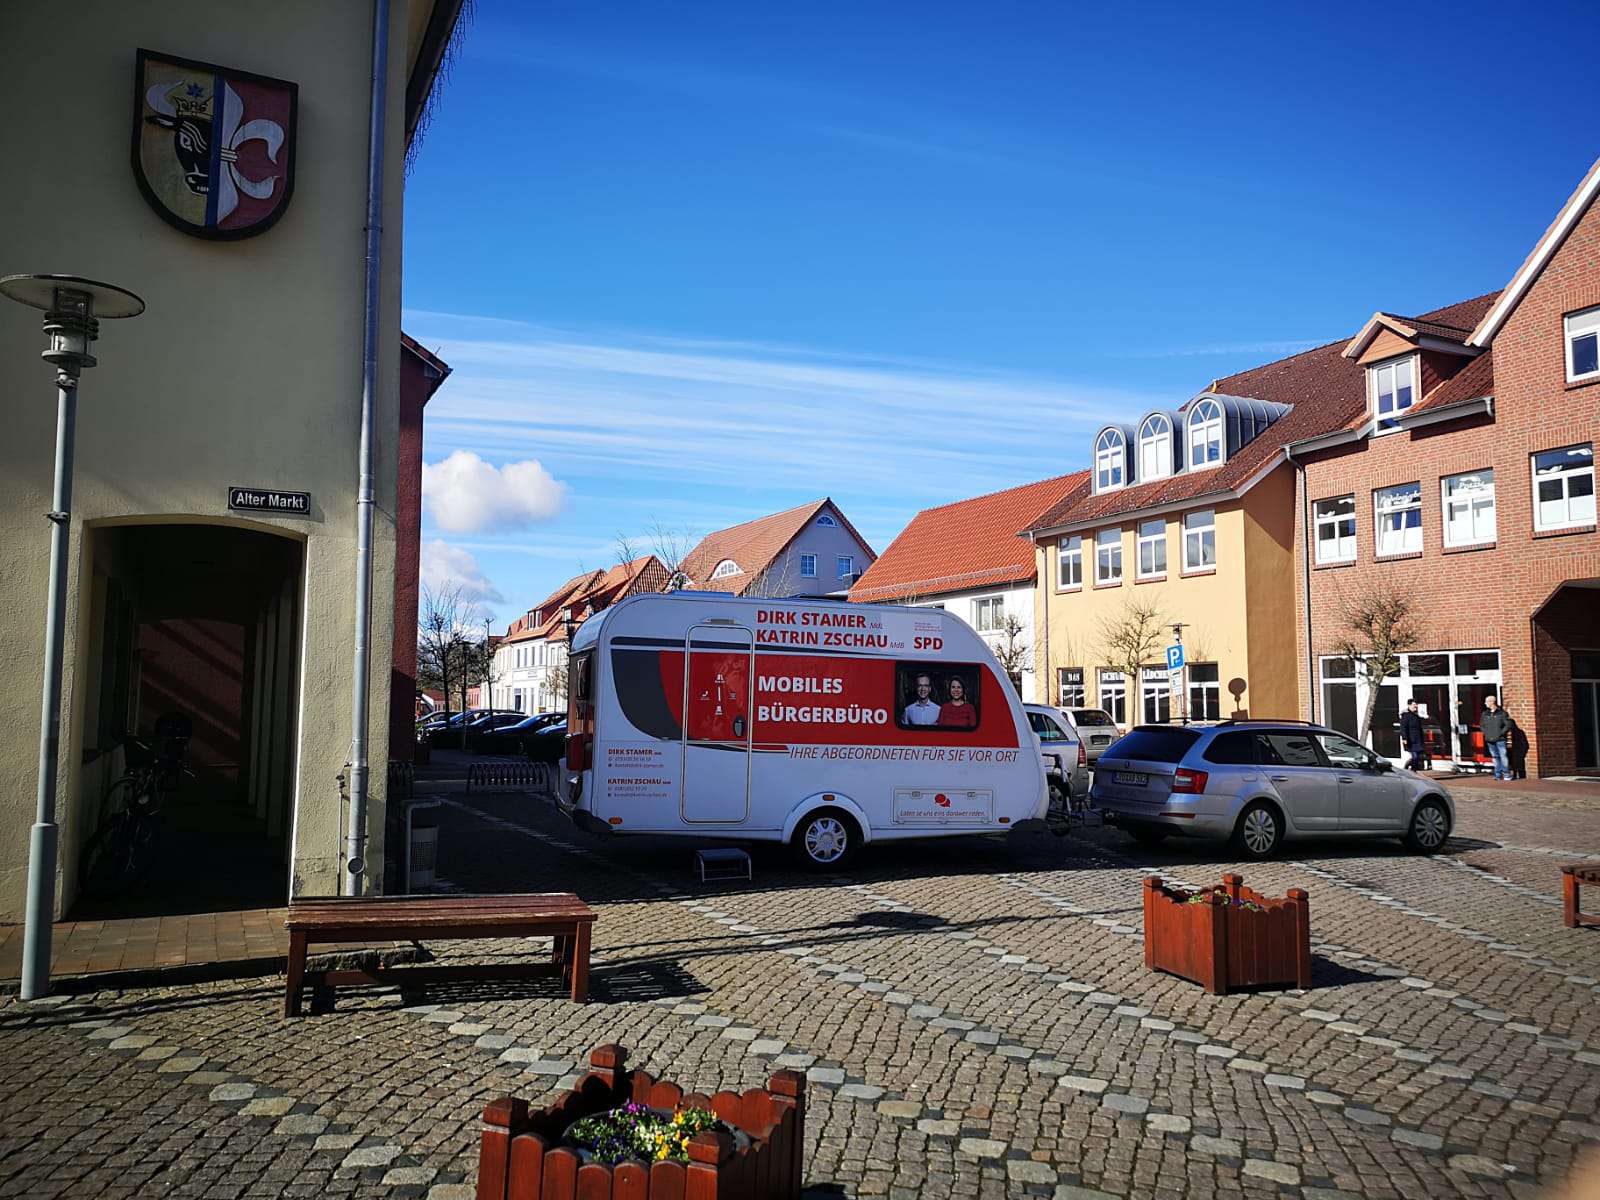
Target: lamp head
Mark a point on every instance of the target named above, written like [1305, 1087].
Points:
[72, 308]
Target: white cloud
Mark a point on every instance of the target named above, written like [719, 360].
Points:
[444, 565]
[465, 494]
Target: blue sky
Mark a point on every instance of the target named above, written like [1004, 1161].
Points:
[697, 263]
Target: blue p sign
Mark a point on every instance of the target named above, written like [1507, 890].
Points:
[1174, 658]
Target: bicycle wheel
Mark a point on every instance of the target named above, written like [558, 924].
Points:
[107, 858]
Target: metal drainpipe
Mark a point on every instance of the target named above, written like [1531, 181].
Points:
[356, 832]
[1305, 569]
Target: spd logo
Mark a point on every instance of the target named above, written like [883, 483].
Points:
[942, 800]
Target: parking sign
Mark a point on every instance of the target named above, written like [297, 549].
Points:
[1174, 658]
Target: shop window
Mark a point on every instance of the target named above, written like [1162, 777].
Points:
[1205, 692]
[941, 697]
[1069, 687]
[1155, 696]
[1113, 687]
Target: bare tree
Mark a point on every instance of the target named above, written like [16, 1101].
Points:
[625, 549]
[556, 680]
[1377, 625]
[1012, 649]
[1131, 638]
[672, 545]
[441, 636]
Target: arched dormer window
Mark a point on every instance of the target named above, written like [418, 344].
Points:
[1110, 461]
[725, 568]
[1155, 447]
[1206, 448]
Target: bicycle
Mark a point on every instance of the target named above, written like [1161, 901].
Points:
[120, 852]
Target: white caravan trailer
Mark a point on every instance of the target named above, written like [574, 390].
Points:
[815, 722]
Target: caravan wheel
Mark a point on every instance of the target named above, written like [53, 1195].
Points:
[826, 840]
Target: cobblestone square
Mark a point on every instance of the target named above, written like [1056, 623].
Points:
[974, 1018]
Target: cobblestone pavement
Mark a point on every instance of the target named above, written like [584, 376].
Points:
[974, 1018]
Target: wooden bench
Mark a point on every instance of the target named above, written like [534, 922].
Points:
[335, 919]
[1573, 878]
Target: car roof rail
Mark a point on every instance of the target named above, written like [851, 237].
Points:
[1270, 721]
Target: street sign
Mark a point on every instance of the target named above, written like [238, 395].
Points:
[1174, 658]
[269, 500]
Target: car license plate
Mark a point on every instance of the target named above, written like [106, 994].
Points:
[1131, 778]
[1100, 740]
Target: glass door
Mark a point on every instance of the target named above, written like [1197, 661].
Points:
[1586, 708]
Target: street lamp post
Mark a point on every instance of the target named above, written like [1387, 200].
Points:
[72, 308]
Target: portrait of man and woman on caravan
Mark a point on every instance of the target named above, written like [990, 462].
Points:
[945, 698]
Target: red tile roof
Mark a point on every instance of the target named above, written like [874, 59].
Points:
[755, 546]
[1326, 392]
[586, 594]
[967, 544]
[1473, 382]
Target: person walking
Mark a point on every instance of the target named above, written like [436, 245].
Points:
[1412, 737]
[1496, 727]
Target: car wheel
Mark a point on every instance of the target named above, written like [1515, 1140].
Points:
[1148, 835]
[826, 840]
[1259, 831]
[1060, 798]
[1430, 827]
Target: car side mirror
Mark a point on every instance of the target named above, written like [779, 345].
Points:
[1382, 765]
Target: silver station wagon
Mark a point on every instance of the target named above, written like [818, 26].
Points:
[1258, 783]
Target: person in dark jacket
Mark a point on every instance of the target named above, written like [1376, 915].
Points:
[1496, 727]
[1412, 736]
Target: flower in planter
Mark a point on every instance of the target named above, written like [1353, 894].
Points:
[637, 1131]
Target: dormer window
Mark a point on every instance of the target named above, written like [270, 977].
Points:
[1110, 461]
[725, 568]
[1205, 435]
[1155, 448]
[1393, 386]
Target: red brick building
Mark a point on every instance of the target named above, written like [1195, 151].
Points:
[1467, 483]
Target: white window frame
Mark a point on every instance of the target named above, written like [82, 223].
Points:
[1069, 553]
[808, 566]
[1565, 477]
[1207, 691]
[725, 568]
[988, 613]
[1382, 505]
[1157, 541]
[827, 522]
[846, 564]
[1110, 460]
[1389, 422]
[1471, 503]
[1108, 550]
[1196, 538]
[1155, 447]
[1155, 686]
[1584, 323]
[1335, 519]
[1070, 692]
[1204, 425]
[1111, 694]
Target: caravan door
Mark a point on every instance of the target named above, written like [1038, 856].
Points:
[718, 681]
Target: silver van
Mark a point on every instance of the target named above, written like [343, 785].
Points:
[1258, 783]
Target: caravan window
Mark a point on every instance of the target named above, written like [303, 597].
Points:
[938, 695]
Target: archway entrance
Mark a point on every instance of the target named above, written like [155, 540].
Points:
[202, 621]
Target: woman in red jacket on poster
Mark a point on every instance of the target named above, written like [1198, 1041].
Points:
[956, 713]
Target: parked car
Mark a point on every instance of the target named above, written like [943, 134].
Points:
[1096, 728]
[1261, 782]
[549, 744]
[1066, 762]
[435, 720]
[508, 738]
[491, 719]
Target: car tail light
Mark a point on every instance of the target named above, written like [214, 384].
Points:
[1083, 756]
[577, 752]
[1189, 782]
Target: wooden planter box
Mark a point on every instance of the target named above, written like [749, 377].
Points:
[1223, 947]
[521, 1156]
